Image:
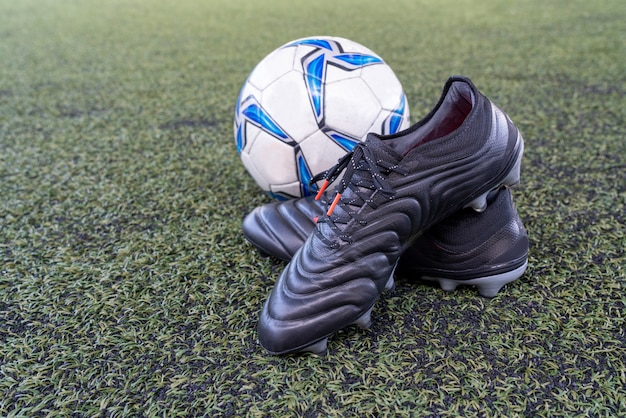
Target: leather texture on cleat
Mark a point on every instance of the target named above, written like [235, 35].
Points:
[305, 306]
[280, 228]
[393, 189]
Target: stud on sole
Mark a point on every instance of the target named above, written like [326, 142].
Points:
[319, 347]
[479, 204]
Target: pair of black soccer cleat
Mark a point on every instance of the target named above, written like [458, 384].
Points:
[431, 200]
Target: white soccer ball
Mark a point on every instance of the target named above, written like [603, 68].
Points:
[309, 102]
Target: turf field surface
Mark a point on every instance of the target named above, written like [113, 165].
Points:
[127, 288]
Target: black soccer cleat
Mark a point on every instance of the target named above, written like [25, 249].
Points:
[486, 250]
[393, 189]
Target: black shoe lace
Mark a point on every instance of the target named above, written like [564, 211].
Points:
[364, 175]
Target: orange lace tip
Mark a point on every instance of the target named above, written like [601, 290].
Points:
[316, 218]
[332, 205]
[319, 193]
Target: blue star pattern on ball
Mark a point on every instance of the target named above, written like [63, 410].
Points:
[316, 62]
[308, 103]
[254, 113]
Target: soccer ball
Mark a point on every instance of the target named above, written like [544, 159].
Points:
[308, 103]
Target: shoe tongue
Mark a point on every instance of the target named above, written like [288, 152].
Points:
[380, 151]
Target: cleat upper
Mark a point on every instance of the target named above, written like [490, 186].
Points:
[393, 189]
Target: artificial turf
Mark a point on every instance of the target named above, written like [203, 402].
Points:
[127, 288]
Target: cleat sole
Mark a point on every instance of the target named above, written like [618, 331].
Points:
[318, 348]
[390, 285]
[488, 286]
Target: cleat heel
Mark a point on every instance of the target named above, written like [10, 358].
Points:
[513, 178]
[479, 204]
